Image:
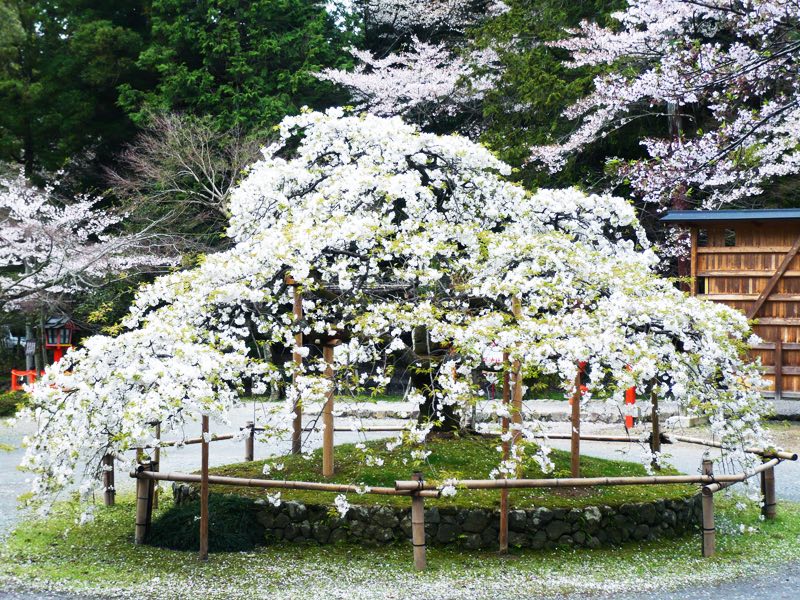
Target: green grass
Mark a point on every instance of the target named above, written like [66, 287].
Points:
[10, 402]
[100, 557]
[467, 457]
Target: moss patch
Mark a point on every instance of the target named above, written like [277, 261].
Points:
[465, 457]
[100, 558]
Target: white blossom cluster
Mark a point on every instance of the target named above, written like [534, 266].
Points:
[427, 82]
[387, 230]
[726, 74]
[409, 15]
[432, 74]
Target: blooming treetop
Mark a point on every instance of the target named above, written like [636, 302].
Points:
[52, 248]
[389, 231]
[430, 75]
[403, 16]
[726, 73]
[425, 83]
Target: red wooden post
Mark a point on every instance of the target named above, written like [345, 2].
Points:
[630, 398]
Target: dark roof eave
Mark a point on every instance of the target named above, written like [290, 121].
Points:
[696, 217]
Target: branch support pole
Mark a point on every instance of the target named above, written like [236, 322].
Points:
[249, 441]
[768, 497]
[575, 445]
[155, 465]
[503, 534]
[418, 526]
[655, 439]
[109, 493]
[297, 423]
[204, 492]
[709, 532]
[327, 415]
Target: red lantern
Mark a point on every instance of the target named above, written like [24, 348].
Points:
[58, 335]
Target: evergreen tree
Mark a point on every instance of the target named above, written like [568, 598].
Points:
[245, 63]
[62, 64]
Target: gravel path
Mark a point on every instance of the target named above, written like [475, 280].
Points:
[783, 585]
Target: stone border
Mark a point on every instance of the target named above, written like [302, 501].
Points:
[537, 528]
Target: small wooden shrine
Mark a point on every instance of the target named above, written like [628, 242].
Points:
[748, 259]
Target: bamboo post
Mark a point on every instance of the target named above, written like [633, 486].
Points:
[575, 446]
[709, 533]
[297, 423]
[655, 439]
[156, 462]
[109, 494]
[249, 441]
[144, 504]
[204, 493]
[768, 492]
[503, 536]
[418, 526]
[327, 415]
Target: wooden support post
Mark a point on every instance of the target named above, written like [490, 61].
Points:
[144, 505]
[516, 399]
[709, 533]
[503, 534]
[156, 464]
[250, 441]
[327, 415]
[204, 492]
[418, 527]
[575, 446]
[297, 423]
[778, 355]
[109, 493]
[655, 436]
[768, 492]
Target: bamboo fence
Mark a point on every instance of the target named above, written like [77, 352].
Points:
[417, 489]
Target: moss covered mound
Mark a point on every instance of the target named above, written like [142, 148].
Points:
[232, 526]
[458, 457]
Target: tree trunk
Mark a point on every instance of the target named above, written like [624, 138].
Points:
[43, 339]
[428, 356]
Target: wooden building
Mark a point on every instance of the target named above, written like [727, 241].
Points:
[748, 259]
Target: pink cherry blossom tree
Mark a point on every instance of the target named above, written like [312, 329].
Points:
[49, 249]
[418, 62]
[724, 77]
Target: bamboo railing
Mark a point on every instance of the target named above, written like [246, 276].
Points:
[418, 489]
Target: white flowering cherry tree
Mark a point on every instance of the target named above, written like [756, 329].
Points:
[400, 241]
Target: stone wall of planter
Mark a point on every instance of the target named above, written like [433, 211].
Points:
[536, 528]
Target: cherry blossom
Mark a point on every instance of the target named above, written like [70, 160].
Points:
[51, 247]
[393, 234]
[724, 75]
[429, 71]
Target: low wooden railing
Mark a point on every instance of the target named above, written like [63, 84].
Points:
[417, 489]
